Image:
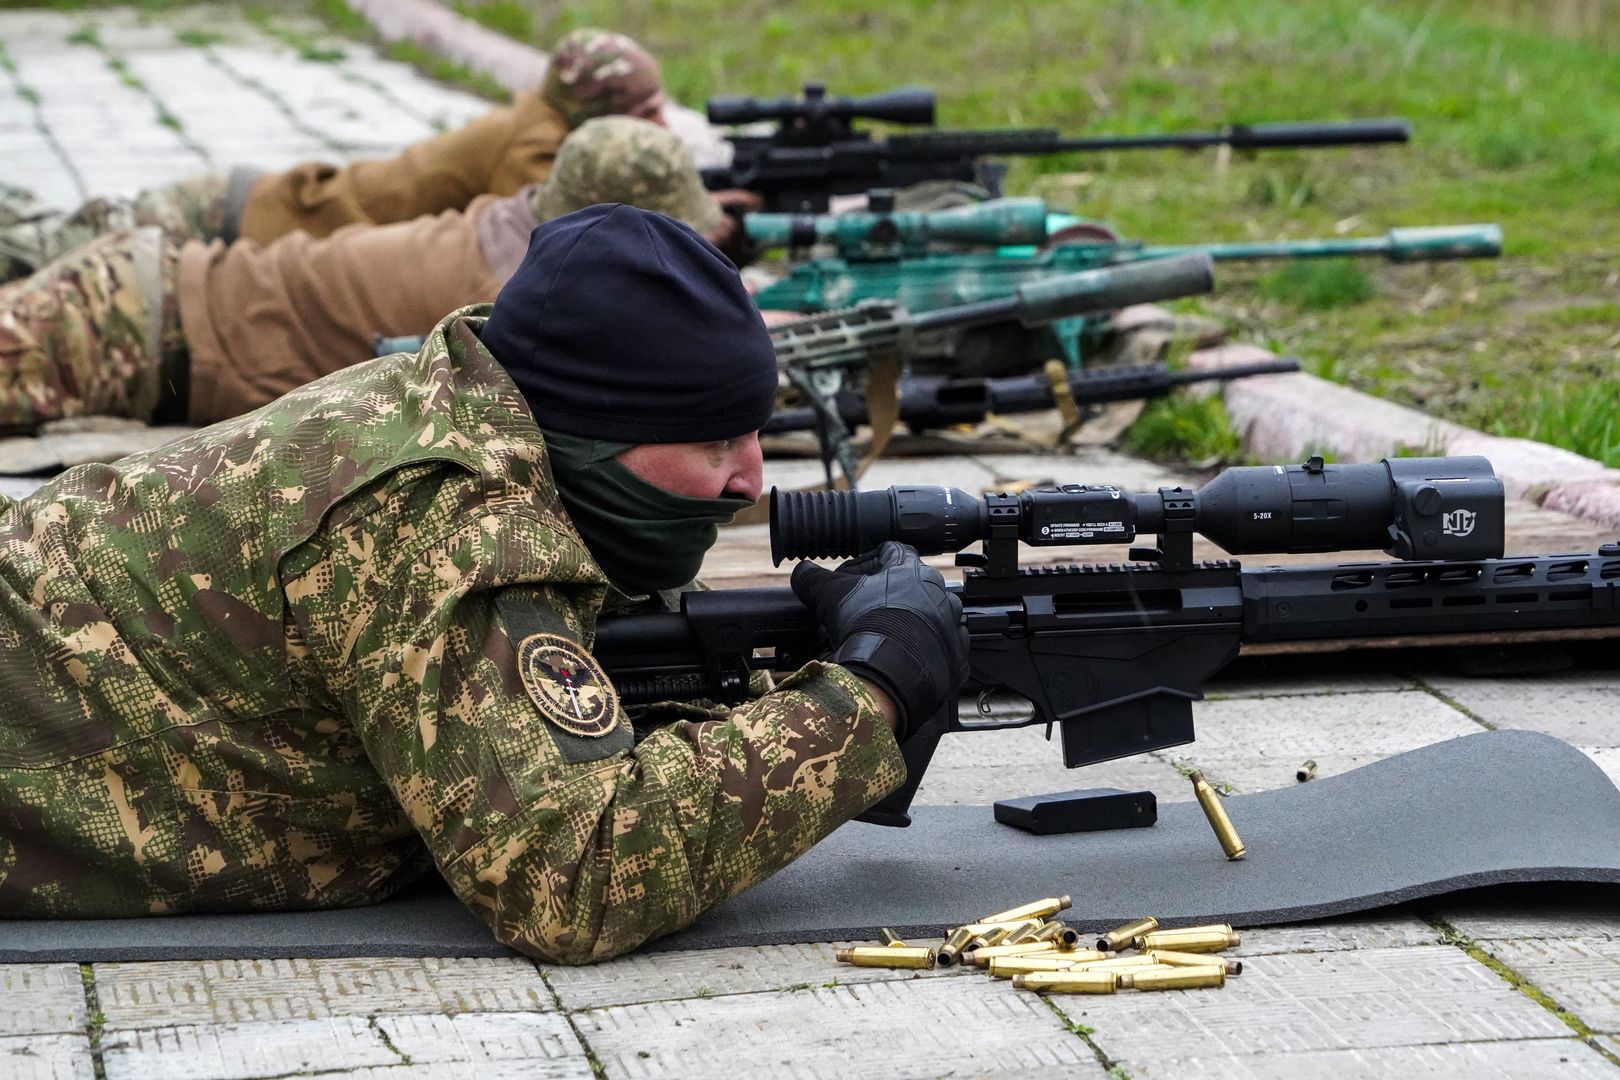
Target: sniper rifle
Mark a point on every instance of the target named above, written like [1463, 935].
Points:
[822, 355]
[929, 402]
[1114, 655]
[816, 152]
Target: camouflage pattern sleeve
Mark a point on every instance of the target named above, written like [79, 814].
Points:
[462, 661]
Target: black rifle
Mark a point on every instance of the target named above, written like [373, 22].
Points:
[935, 401]
[1114, 655]
[816, 152]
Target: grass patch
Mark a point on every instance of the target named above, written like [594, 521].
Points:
[1515, 110]
[199, 39]
[342, 18]
[503, 16]
[1583, 419]
[1184, 427]
[85, 35]
[1318, 284]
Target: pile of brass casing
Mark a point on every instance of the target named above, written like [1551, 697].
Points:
[1168, 960]
[1021, 944]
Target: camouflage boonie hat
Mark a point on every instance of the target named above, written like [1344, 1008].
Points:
[600, 73]
[620, 159]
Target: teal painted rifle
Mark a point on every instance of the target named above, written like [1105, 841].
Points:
[823, 356]
[888, 256]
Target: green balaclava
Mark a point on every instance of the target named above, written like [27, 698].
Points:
[645, 538]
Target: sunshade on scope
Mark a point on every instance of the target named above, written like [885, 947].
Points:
[1412, 508]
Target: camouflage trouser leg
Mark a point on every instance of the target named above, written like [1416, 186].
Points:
[94, 333]
[189, 210]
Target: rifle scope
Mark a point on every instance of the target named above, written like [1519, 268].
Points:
[1412, 508]
[904, 105]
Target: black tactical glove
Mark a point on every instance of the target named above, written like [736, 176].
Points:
[891, 620]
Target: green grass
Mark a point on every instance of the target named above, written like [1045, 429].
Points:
[1317, 284]
[503, 16]
[320, 52]
[1515, 110]
[1183, 427]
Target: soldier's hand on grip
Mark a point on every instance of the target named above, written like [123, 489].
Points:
[890, 619]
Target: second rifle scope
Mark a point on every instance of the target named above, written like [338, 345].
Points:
[1412, 508]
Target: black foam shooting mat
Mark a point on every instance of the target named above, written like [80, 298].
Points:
[1493, 808]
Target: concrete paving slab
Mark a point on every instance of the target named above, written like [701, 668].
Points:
[146, 995]
[1582, 708]
[1295, 1003]
[244, 1051]
[1085, 465]
[1499, 1060]
[46, 1057]
[638, 979]
[538, 1045]
[926, 1027]
[1256, 744]
[41, 999]
[1307, 680]
[1580, 974]
[1379, 931]
[1571, 911]
[344, 112]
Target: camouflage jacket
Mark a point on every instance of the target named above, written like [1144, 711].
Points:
[295, 659]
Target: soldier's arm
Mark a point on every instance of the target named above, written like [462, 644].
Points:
[572, 844]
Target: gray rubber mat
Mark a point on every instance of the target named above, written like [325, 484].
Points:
[1494, 808]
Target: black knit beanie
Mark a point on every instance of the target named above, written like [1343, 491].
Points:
[622, 324]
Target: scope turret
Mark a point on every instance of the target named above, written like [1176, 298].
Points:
[903, 105]
[1412, 508]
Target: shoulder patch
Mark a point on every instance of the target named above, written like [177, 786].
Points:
[567, 685]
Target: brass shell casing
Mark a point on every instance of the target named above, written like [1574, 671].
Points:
[1121, 936]
[1173, 978]
[1192, 939]
[1037, 909]
[1024, 931]
[1005, 967]
[1115, 963]
[989, 938]
[889, 937]
[1187, 959]
[886, 956]
[1215, 811]
[952, 949]
[1306, 772]
[983, 956]
[1068, 982]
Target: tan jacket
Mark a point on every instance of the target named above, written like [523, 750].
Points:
[260, 320]
[500, 152]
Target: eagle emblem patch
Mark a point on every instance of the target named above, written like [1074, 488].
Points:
[567, 685]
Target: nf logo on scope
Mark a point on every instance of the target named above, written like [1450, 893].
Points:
[1459, 522]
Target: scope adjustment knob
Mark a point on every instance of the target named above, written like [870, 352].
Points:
[1426, 500]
